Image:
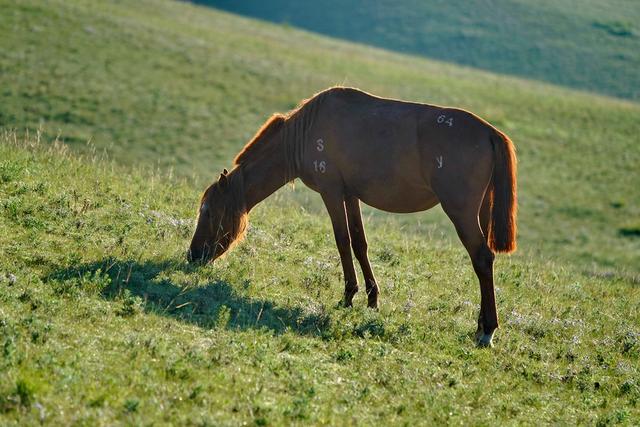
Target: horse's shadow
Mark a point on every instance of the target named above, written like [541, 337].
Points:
[214, 304]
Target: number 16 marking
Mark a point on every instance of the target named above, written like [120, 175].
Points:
[320, 166]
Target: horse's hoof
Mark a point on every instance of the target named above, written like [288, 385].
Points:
[372, 297]
[485, 340]
[345, 304]
[348, 296]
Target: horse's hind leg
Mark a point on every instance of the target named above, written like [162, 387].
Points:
[465, 218]
[335, 205]
[484, 217]
[359, 245]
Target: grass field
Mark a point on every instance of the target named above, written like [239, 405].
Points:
[103, 322]
[585, 44]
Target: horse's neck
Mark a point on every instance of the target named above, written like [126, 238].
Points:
[262, 177]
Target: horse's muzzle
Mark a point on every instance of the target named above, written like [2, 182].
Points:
[198, 257]
[194, 257]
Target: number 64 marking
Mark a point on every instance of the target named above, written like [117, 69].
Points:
[443, 119]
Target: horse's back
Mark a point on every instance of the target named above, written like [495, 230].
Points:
[388, 152]
[377, 151]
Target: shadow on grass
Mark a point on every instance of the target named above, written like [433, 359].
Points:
[215, 304]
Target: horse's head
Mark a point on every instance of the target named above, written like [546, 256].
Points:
[222, 219]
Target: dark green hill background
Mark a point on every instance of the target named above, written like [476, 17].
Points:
[589, 45]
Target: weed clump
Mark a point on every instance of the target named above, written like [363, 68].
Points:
[615, 28]
[633, 231]
[130, 304]
[22, 395]
[88, 284]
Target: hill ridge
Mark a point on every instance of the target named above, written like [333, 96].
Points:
[576, 44]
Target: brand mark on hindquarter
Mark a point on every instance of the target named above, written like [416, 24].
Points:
[320, 145]
[439, 160]
[443, 119]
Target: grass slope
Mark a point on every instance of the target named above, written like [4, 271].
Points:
[183, 87]
[103, 323]
[590, 45]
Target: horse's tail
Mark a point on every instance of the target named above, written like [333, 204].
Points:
[503, 197]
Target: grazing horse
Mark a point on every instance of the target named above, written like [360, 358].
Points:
[396, 156]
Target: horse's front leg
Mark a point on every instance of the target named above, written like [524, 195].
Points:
[360, 248]
[336, 208]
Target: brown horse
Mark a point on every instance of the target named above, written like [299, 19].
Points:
[396, 156]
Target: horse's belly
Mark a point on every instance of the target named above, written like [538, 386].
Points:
[402, 199]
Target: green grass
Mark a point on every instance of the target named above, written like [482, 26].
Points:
[103, 322]
[591, 45]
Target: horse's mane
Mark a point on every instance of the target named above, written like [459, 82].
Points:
[233, 194]
[294, 123]
[270, 127]
[238, 209]
[232, 197]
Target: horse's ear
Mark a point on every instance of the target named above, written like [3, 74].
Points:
[223, 180]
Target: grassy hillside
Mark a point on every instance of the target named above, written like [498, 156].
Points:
[182, 87]
[590, 45]
[102, 322]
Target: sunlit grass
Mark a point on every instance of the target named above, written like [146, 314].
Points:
[103, 320]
